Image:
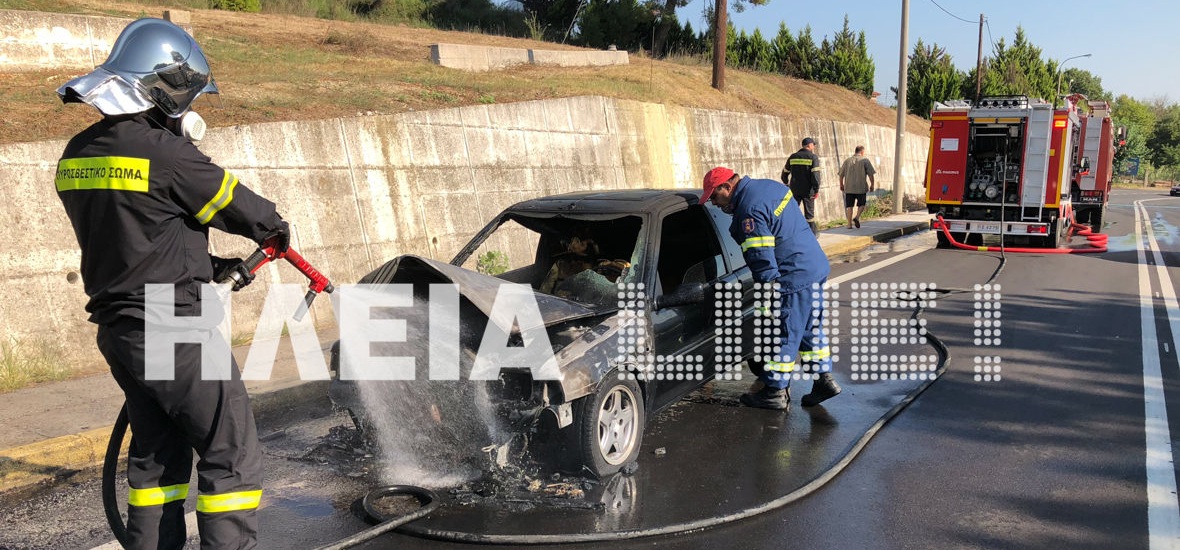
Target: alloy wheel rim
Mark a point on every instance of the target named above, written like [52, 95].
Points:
[618, 425]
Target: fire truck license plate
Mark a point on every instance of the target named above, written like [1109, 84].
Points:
[986, 227]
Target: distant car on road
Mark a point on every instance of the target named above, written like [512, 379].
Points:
[1175, 190]
[662, 241]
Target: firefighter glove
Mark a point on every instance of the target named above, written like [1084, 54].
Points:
[231, 270]
[280, 237]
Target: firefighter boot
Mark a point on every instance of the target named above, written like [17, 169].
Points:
[824, 388]
[767, 398]
[814, 227]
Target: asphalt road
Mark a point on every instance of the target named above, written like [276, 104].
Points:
[1070, 448]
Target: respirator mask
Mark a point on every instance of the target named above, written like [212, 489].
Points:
[190, 126]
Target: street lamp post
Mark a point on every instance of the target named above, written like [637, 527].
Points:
[1061, 72]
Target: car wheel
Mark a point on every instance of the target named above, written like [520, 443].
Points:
[610, 426]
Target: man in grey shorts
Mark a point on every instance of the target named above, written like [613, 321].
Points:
[856, 180]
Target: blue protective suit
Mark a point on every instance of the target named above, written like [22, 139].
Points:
[780, 247]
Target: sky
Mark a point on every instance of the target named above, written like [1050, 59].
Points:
[1134, 44]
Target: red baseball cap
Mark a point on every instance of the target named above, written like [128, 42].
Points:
[713, 178]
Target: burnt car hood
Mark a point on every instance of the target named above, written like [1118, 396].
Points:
[480, 289]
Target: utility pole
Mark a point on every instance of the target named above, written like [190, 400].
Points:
[902, 76]
[722, 26]
[979, 63]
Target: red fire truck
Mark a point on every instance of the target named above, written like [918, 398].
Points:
[1092, 189]
[1004, 166]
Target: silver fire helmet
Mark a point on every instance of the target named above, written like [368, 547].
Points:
[153, 63]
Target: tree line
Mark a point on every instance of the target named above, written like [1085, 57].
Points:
[654, 26]
[1019, 68]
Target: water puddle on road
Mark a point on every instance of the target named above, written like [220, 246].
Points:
[924, 239]
[305, 506]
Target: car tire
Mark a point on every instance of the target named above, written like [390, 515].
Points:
[609, 426]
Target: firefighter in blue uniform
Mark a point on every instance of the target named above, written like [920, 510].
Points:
[801, 174]
[779, 247]
[141, 198]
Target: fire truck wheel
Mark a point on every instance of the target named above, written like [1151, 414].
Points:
[944, 243]
[1096, 220]
[1054, 238]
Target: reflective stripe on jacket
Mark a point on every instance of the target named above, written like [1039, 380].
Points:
[776, 241]
[801, 172]
[141, 201]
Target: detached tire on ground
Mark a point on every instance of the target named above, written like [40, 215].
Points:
[608, 426]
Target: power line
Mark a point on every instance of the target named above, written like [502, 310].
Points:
[988, 24]
[951, 14]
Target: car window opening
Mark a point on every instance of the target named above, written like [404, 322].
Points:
[689, 251]
[568, 257]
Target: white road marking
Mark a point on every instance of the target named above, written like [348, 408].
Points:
[1163, 509]
[869, 269]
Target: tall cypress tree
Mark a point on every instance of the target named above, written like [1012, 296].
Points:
[931, 77]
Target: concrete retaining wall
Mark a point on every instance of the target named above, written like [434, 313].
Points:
[487, 58]
[359, 191]
[586, 58]
[32, 40]
[477, 58]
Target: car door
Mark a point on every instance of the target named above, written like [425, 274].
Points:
[688, 252]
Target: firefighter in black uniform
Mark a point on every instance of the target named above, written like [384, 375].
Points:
[141, 199]
[801, 174]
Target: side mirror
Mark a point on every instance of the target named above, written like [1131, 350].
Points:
[685, 294]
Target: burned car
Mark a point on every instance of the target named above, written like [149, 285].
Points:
[623, 283]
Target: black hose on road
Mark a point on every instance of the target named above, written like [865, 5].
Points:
[427, 498]
[110, 463]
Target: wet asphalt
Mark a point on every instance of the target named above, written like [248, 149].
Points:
[1049, 456]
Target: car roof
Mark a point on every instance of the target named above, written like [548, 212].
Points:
[620, 201]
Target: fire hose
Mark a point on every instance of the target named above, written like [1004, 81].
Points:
[1097, 241]
[266, 253]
